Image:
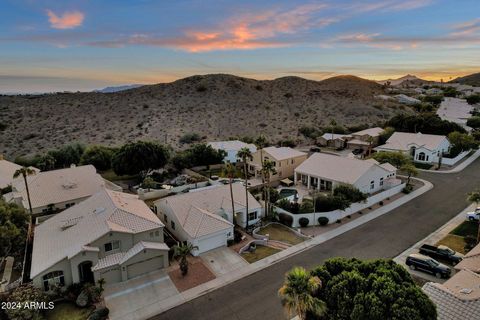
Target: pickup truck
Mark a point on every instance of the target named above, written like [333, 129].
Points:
[441, 253]
[474, 215]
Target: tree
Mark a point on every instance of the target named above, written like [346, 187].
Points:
[461, 142]
[245, 154]
[297, 294]
[473, 99]
[396, 159]
[268, 169]
[385, 135]
[474, 122]
[198, 155]
[98, 156]
[410, 170]
[13, 229]
[434, 100]
[429, 123]
[333, 124]
[230, 171]
[474, 197]
[182, 251]
[370, 290]
[139, 158]
[67, 155]
[24, 172]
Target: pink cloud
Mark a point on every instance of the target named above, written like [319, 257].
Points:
[67, 20]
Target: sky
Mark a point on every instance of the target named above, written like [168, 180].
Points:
[51, 45]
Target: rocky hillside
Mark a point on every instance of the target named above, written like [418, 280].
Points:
[472, 80]
[214, 106]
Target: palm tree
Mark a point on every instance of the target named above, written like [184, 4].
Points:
[229, 171]
[333, 123]
[245, 154]
[268, 169]
[182, 251]
[24, 172]
[474, 197]
[370, 142]
[297, 293]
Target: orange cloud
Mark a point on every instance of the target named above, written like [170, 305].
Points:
[67, 20]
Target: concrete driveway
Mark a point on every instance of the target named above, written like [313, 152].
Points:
[223, 260]
[133, 298]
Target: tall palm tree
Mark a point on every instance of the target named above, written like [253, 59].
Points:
[182, 251]
[370, 143]
[268, 169]
[297, 293]
[245, 154]
[333, 123]
[474, 197]
[24, 172]
[229, 171]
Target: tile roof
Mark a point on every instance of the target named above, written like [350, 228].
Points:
[333, 136]
[336, 168]
[61, 185]
[403, 140]
[7, 169]
[471, 260]
[373, 132]
[458, 298]
[234, 145]
[199, 212]
[71, 231]
[282, 153]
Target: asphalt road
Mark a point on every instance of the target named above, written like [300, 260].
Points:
[255, 296]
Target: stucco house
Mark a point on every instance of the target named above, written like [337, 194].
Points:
[7, 170]
[231, 148]
[323, 171]
[111, 235]
[365, 139]
[58, 189]
[285, 160]
[204, 217]
[333, 140]
[424, 148]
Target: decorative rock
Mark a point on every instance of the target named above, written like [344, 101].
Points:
[82, 299]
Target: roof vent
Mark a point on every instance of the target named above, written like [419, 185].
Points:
[99, 210]
[466, 290]
[69, 185]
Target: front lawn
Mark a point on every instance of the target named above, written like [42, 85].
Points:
[425, 166]
[67, 311]
[260, 253]
[281, 233]
[454, 242]
[467, 228]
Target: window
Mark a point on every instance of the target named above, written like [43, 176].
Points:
[172, 224]
[372, 185]
[157, 233]
[229, 234]
[252, 215]
[421, 156]
[53, 278]
[151, 234]
[110, 246]
[293, 161]
[381, 181]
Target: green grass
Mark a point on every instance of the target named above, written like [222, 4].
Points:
[67, 311]
[426, 166]
[219, 172]
[259, 254]
[454, 242]
[111, 176]
[467, 228]
[281, 233]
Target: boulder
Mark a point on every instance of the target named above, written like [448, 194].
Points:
[82, 299]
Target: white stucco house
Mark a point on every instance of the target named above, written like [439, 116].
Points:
[58, 189]
[323, 171]
[424, 148]
[204, 217]
[231, 148]
[111, 235]
[7, 170]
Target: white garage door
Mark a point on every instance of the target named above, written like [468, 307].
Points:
[144, 266]
[211, 243]
[111, 275]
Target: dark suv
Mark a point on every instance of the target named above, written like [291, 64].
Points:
[428, 264]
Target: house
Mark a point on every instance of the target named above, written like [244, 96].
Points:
[332, 140]
[404, 99]
[285, 160]
[7, 170]
[232, 148]
[325, 171]
[111, 235]
[58, 189]
[424, 148]
[204, 217]
[365, 139]
[458, 298]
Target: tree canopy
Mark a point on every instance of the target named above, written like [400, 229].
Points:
[198, 155]
[461, 142]
[429, 123]
[13, 229]
[396, 159]
[98, 156]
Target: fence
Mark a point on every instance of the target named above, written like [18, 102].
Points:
[147, 194]
[452, 161]
[340, 214]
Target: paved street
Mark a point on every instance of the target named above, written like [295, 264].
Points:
[255, 297]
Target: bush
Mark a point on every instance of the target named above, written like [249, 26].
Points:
[237, 236]
[306, 207]
[350, 193]
[303, 222]
[407, 189]
[474, 122]
[285, 219]
[425, 123]
[99, 314]
[473, 99]
[381, 203]
[329, 203]
[23, 294]
[338, 221]
[189, 138]
[323, 221]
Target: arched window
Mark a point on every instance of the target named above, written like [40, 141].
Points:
[53, 278]
[421, 156]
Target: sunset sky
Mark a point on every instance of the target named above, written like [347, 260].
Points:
[86, 44]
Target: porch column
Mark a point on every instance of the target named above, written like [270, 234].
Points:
[308, 182]
[294, 178]
[318, 183]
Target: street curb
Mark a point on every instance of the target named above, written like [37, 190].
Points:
[226, 279]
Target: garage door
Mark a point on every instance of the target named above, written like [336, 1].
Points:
[144, 266]
[211, 243]
[111, 275]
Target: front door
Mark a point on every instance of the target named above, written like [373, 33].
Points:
[85, 273]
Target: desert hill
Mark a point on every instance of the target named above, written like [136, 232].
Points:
[405, 81]
[216, 106]
[472, 80]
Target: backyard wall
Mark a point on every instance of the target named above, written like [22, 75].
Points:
[147, 194]
[340, 214]
[452, 161]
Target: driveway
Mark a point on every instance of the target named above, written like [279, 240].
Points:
[223, 260]
[130, 299]
[255, 296]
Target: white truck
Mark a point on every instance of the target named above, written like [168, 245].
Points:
[474, 215]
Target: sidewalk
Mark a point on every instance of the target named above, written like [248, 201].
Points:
[178, 299]
[433, 238]
[459, 167]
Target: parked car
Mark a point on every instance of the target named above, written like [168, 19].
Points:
[315, 149]
[474, 215]
[429, 265]
[443, 253]
[357, 151]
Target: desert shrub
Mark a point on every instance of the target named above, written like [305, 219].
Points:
[303, 222]
[474, 122]
[473, 99]
[309, 132]
[381, 203]
[323, 221]
[425, 123]
[99, 314]
[407, 189]
[3, 126]
[434, 100]
[287, 143]
[201, 88]
[285, 219]
[189, 138]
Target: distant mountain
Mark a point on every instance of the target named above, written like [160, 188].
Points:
[215, 106]
[472, 80]
[118, 88]
[405, 80]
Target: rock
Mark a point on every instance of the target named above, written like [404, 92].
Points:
[82, 299]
